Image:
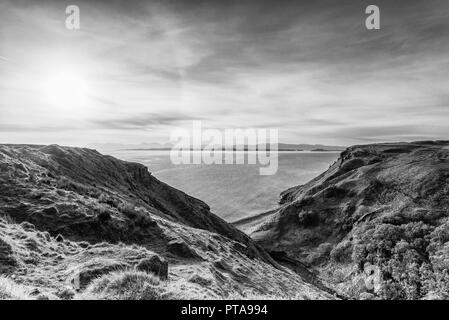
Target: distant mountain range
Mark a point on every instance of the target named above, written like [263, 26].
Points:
[168, 146]
[120, 146]
[309, 147]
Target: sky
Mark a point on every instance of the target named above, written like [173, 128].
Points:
[137, 70]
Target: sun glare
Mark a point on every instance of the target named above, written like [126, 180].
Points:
[65, 88]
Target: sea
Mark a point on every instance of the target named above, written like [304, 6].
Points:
[233, 191]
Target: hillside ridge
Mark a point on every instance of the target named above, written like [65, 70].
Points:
[76, 224]
[379, 214]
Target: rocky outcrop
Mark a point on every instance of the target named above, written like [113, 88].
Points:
[154, 264]
[375, 223]
[180, 249]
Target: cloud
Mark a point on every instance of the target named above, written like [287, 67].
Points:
[309, 68]
[143, 121]
[8, 127]
[382, 132]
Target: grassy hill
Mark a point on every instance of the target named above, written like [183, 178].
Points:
[75, 224]
[375, 224]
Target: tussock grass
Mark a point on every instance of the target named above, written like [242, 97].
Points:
[10, 290]
[70, 185]
[125, 285]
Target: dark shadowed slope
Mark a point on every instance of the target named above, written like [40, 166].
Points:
[77, 224]
[376, 223]
[66, 190]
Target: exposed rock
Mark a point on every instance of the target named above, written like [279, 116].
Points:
[154, 264]
[181, 249]
[94, 270]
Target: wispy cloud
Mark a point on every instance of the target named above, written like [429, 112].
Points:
[309, 68]
[143, 121]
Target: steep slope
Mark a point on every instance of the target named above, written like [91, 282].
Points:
[72, 215]
[375, 224]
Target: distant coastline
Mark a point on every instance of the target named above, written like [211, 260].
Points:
[282, 147]
[227, 150]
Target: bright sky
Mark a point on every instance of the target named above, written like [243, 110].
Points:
[136, 70]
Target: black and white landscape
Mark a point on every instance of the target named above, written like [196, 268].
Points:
[93, 205]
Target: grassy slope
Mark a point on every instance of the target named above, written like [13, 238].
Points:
[379, 215]
[72, 213]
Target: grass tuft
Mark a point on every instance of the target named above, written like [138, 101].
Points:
[10, 290]
[125, 285]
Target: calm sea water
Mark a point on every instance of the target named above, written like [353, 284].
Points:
[233, 191]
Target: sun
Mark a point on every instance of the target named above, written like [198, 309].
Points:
[65, 88]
